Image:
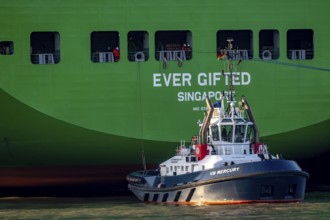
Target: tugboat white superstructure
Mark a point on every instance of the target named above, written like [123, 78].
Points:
[225, 164]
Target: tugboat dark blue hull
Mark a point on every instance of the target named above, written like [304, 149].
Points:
[264, 181]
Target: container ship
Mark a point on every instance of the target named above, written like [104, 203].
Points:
[87, 86]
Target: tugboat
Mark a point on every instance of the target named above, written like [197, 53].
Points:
[225, 164]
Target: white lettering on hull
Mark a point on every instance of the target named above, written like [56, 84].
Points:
[202, 80]
[198, 96]
[223, 171]
[171, 79]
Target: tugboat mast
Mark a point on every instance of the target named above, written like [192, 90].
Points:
[230, 47]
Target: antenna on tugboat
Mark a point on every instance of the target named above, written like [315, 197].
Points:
[230, 66]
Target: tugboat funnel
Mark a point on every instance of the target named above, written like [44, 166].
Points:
[206, 122]
[251, 117]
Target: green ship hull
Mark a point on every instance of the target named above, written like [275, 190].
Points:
[74, 113]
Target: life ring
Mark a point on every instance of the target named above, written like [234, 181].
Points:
[139, 56]
[266, 55]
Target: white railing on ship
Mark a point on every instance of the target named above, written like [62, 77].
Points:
[172, 55]
[103, 57]
[301, 54]
[297, 54]
[43, 58]
[238, 54]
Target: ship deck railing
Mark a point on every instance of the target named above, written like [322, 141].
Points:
[45, 58]
[102, 57]
[171, 55]
[242, 54]
[300, 54]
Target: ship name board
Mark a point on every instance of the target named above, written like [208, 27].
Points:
[202, 80]
[223, 171]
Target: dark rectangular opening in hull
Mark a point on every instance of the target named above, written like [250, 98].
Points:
[146, 197]
[165, 197]
[191, 193]
[155, 198]
[177, 196]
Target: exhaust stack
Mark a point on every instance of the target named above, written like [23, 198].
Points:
[206, 122]
[249, 112]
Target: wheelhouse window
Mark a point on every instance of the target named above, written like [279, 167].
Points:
[269, 44]
[227, 133]
[6, 47]
[250, 134]
[235, 44]
[215, 132]
[138, 46]
[105, 46]
[239, 133]
[300, 44]
[45, 47]
[173, 45]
